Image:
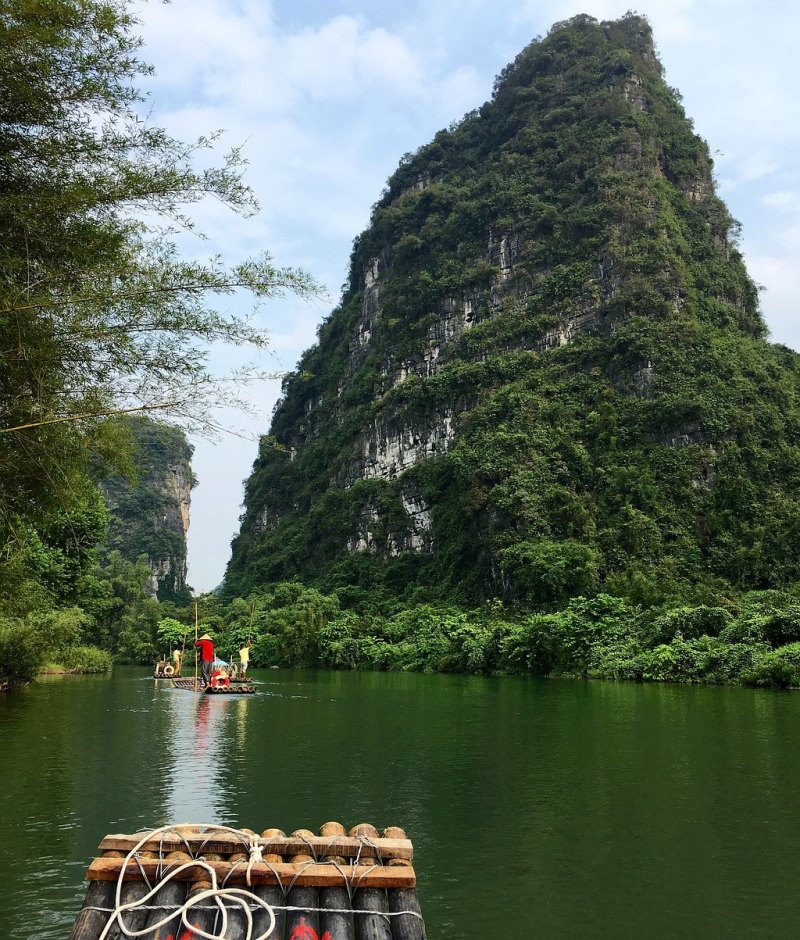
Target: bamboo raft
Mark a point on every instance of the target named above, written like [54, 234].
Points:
[171, 882]
[188, 684]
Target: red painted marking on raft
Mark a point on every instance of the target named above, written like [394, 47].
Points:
[189, 935]
[303, 932]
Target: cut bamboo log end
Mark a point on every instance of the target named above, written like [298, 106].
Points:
[365, 831]
[394, 832]
[399, 863]
[113, 854]
[332, 829]
[303, 834]
[301, 859]
[273, 834]
[178, 857]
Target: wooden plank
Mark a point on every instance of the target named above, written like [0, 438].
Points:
[307, 875]
[222, 844]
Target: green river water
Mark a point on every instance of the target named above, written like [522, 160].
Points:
[538, 808]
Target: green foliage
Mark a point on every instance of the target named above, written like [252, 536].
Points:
[777, 668]
[597, 637]
[86, 659]
[21, 652]
[171, 633]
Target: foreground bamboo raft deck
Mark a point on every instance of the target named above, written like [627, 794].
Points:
[332, 886]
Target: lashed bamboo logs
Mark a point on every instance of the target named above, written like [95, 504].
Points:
[357, 885]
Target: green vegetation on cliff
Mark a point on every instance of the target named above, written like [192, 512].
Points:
[548, 376]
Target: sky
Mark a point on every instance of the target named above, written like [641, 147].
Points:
[326, 97]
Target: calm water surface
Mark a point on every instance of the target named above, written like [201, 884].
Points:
[537, 808]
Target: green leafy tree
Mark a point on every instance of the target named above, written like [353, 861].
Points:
[98, 312]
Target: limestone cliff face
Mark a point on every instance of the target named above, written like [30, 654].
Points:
[537, 284]
[150, 512]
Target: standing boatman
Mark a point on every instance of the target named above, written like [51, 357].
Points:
[206, 645]
[244, 658]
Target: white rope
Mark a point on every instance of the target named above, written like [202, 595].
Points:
[222, 896]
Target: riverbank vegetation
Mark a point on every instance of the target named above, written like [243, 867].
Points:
[752, 639]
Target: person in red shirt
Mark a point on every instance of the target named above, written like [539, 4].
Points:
[206, 645]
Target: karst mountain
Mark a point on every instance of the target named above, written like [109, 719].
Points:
[548, 374]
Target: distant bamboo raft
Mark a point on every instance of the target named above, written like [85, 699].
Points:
[188, 684]
[237, 885]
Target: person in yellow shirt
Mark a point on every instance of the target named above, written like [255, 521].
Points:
[244, 659]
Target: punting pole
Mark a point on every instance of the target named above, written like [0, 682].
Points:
[89, 923]
[195, 649]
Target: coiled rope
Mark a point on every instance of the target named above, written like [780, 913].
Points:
[221, 895]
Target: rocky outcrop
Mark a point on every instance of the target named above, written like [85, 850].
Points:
[150, 509]
[517, 304]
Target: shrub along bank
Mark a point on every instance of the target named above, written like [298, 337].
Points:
[753, 639]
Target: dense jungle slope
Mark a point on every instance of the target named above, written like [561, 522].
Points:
[548, 375]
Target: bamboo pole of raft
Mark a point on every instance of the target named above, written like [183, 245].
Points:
[276, 898]
[406, 926]
[237, 920]
[371, 926]
[203, 917]
[132, 920]
[374, 926]
[89, 923]
[170, 895]
[335, 921]
[305, 898]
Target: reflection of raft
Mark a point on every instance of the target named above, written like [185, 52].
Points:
[234, 688]
[356, 886]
